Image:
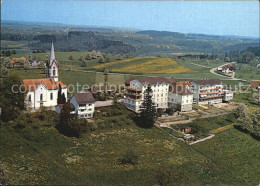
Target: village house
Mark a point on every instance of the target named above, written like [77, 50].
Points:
[180, 93]
[44, 92]
[255, 85]
[84, 105]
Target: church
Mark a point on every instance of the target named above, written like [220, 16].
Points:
[44, 92]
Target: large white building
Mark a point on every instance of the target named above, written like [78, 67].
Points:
[180, 93]
[135, 88]
[209, 91]
[44, 92]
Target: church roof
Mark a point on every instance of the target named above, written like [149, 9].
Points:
[52, 54]
[48, 83]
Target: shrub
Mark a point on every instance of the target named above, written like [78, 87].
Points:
[129, 157]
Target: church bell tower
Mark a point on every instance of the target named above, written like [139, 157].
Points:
[52, 65]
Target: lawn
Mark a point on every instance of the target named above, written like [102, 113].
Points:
[38, 154]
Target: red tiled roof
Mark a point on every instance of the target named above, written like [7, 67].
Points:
[180, 89]
[208, 82]
[186, 83]
[254, 84]
[84, 97]
[49, 83]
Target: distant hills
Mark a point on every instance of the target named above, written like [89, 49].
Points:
[113, 40]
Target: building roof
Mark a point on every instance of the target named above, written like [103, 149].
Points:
[208, 82]
[15, 60]
[180, 89]
[84, 97]
[128, 81]
[152, 80]
[185, 83]
[254, 84]
[49, 83]
[61, 106]
[52, 54]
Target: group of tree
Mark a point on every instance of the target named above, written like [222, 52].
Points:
[7, 53]
[12, 97]
[245, 56]
[148, 114]
[61, 96]
[247, 122]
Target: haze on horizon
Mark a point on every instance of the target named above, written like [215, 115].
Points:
[240, 18]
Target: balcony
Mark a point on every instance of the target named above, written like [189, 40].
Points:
[206, 93]
[215, 88]
[211, 97]
[133, 89]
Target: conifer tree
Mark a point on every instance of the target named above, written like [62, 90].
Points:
[147, 110]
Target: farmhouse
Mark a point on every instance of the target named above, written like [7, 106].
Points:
[84, 105]
[44, 92]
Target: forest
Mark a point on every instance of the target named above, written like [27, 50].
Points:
[28, 37]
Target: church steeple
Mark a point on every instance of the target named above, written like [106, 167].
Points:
[52, 54]
[52, 65]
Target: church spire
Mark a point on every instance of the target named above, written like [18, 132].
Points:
[52, 55]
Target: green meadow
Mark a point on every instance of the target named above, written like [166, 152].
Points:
[40, 155]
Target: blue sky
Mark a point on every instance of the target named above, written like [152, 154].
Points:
[206, 17]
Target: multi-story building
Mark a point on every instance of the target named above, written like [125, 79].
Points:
[208, 91]
[135, 88]
[84, 104]
[180, 93]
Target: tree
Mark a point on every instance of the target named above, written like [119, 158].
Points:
[4, 72]
[129, 157]
[93, 54]
[243, 119]
[170, 110]
[147, 114]
[71, 57]
[83, 63]
[12, 99]
[88, 56]
[199, 127]
[101, 60]
[119, 57]
[68, 124]
[61, 96]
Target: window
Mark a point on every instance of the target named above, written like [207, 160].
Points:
[41, 97]
[30, 97]
[54, 71]
[89, 104]
[51, 96]
[90, 109]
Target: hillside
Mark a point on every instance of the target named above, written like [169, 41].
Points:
[32, 36]
[40, 155]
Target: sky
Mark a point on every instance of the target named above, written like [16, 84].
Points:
[239, 18]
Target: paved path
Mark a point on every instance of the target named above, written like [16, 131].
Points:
[203, 139]
[106, 103]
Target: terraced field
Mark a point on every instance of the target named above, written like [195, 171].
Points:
[144, 65]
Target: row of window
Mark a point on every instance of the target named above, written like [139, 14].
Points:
[41, 97]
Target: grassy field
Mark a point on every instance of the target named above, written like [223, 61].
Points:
[247, 72]
[38, 154]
